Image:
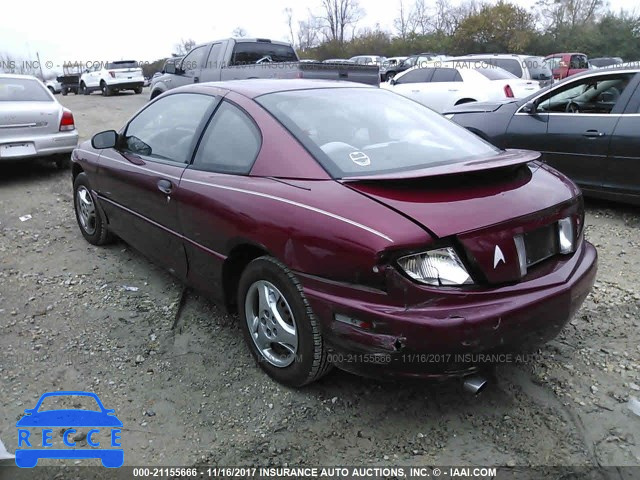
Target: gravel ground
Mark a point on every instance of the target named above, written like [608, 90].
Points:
[190, 393]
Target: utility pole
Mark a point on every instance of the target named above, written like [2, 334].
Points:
[40, 65]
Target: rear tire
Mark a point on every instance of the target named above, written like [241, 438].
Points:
[89, 217]
[106, 91]
[285, 300]
[64, 92]
[138, 90]
[53, 92]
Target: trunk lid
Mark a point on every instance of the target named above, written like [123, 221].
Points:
[483, 209]
[28, 119]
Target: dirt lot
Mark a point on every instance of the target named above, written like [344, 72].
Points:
[193, 395]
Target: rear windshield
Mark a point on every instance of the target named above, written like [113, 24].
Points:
[538, 68]
[492, 72]
[249, 53]
[362, 131]
[23, 90]
[122, 64]
[495, 73]
[511, 65]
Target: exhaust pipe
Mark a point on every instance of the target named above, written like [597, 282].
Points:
[474, 384]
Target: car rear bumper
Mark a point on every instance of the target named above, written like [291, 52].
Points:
[452, 334]
[126, 84]
[40, 146]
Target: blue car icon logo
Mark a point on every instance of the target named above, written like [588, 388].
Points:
[103, 423]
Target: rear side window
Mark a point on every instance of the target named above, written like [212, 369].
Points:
[538, 68]
[230, 143]
[249, 53]
[22, 90]
[511, 65]
[446, 75]
[416, 76]
[212, 62]
[495, 73]
[578, 61]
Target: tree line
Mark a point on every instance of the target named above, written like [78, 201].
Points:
[473, 26]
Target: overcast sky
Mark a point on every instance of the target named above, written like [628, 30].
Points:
[141, 31]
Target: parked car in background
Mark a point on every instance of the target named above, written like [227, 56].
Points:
[236, 59]
[113, 77]
[70, 79]
[338, 60]
[393, 62]
[32, 122]
[564, 65]
[522, 66]
[381, 62]
[585, 126]
[414, 60]
[53, 85]
[345, 225]
[452, 82]
[600, 62]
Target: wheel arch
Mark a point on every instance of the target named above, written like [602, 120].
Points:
[239, 257]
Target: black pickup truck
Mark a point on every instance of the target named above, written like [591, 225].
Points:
[233, 59]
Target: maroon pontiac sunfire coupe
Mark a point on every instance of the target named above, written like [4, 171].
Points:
[345, 224]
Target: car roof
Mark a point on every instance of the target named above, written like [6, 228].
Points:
[17, 75]
[255, 87]
[565, 53]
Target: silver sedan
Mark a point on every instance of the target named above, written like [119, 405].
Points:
[32, 122]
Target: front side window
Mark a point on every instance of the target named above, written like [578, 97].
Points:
[578, 61]
[587, 95]
[362, 131]
[166, 129]
[194, 59]
[419, 75]
[230, 143]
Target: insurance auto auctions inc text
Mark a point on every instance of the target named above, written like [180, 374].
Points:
[359, 472]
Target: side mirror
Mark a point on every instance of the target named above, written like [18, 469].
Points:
[170, 68]
[529, 107]
[106, 139]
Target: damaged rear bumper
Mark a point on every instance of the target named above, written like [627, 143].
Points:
[453, 332]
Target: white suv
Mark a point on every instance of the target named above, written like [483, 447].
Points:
[112, 77]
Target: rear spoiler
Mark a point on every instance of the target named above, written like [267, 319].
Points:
[507, 158]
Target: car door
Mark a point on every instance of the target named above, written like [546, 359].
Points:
[191, 67]
[414, 84]
[229, 147]
[445, 87]
[138, 180]
[623, 163]
[582, 116]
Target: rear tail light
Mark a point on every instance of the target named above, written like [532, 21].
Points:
[508, 92]
[113, 74]
[66, 122]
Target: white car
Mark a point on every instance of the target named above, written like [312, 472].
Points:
[32, 122]
[113, 77]
[54, 86]
[522, 66]
[443, 84]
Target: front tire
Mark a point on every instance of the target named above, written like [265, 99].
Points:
[138, 90]
[89, 217]
[84, 89]
[279, 327]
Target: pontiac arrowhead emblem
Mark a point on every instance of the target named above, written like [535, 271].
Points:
[498, 256]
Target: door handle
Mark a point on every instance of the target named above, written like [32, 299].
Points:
[592, 134]
[165, 186]
[453, 89]
[415, 91]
